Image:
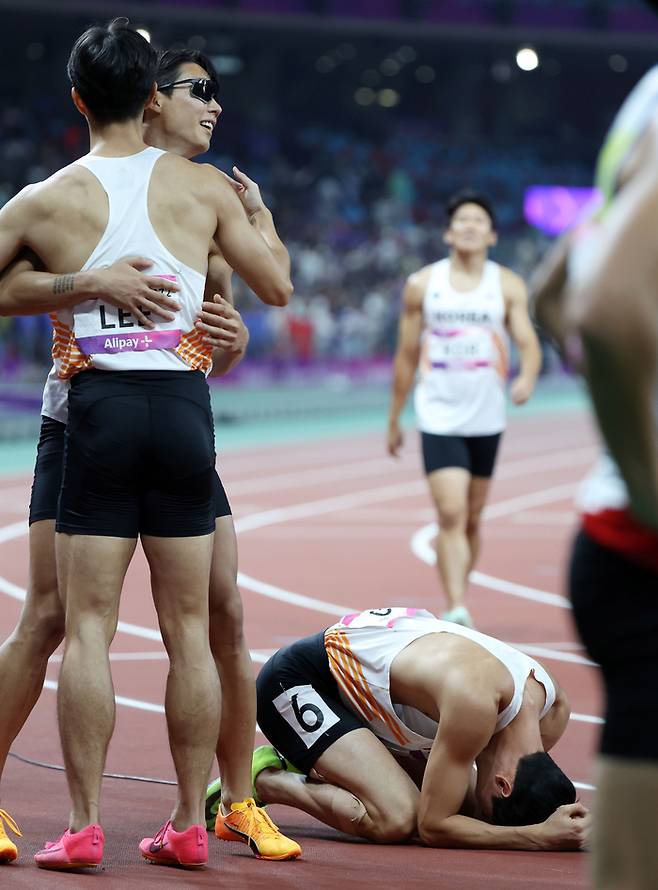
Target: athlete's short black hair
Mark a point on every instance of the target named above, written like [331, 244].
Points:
[113, 69]
[540, 787]
[171, 61]
[469, 196]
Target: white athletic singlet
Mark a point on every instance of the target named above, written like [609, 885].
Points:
[464, 356]
[93, 334]
[55, 400]
[361, 648]
[602, 497]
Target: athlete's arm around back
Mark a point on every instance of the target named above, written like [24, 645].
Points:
[54, 226]
[250, 244]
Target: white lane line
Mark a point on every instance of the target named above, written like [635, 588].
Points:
[328, 505]
[583, 786]
[121, 700]
[586, 718]
[553, 655]
[16, 530]
[287, 596]
[540, 463]
[407, 489]
[313, 477]
[520, 590]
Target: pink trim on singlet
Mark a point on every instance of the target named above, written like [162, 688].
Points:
[346, 620]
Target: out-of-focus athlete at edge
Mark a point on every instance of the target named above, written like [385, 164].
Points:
[454, 323]
[65, 221]
[385, 715]
[180, 119]
[597, 293]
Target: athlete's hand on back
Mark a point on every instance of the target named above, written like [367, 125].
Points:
[124, 285]
[222, 325]
[568, 828]
[395, 439]
[521, 390]
[247, 191]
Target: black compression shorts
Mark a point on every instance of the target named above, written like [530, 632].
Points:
[140, 455]
[47, 470]
[299, 707]
[615, 604]
[477, 454]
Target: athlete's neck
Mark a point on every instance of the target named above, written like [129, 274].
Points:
[116, 140]
[172, 142]
[469, 263]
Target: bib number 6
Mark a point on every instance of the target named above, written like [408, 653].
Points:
[306, 712]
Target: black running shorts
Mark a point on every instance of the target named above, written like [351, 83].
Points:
[140, 455]
[47, 470]
[615, 604]
[222, 506]
[477, 454]
[299, 708]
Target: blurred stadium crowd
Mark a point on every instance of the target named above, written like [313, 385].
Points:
[356, 175]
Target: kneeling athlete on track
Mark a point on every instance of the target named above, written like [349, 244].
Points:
[385, 715]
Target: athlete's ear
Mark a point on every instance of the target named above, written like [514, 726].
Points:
[503, 785]
[79, 104]
[447, 237]
[153, 101]
[493, 238]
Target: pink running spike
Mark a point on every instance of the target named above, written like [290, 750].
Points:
[80, 849]
[188, 848]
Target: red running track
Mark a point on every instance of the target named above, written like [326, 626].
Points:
[325, 527]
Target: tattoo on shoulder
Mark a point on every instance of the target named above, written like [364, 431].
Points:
[63, 284]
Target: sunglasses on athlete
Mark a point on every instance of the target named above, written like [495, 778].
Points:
[202, 88]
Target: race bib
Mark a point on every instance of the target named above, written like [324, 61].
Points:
[461, 348]
[100, 328]
[306, 712]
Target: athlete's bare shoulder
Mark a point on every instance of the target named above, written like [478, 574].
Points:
[208, 184]
[64, 188]
[513, 286]
[416, 285]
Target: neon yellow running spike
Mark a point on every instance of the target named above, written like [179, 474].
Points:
[8, 850]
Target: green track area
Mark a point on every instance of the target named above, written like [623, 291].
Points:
[268, 416]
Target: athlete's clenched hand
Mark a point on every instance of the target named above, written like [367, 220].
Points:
[124, 284]
[568, 828]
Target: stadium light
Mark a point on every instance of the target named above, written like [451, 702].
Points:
[388, 98]
[527, 58]
[145, 34]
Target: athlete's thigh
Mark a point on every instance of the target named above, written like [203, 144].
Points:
[478, 493]
[362, 765]
[43, 564]
[449, 488]
[92, 569]
[180, 571]
[224, 558]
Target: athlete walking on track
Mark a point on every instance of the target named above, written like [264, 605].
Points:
[455, 319]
